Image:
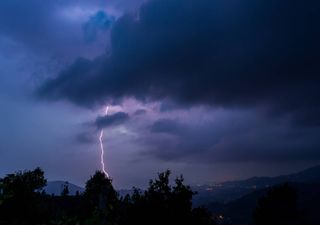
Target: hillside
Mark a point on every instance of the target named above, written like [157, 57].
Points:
[240, 211]
[56, 187]
[228, 191]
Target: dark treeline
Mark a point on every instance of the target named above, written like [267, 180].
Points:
[23, 202]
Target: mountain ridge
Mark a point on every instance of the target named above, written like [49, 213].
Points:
[221, 192]
[231, 190]
[55, 187]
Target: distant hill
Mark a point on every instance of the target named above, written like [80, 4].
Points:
[218, 192]
[56, 187]
[306, 176]
[240, 210]
[231, 190]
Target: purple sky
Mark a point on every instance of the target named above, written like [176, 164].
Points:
[211, 89]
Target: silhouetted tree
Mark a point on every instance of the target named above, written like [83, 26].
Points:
[102, 197]
[65, 190]
[22, 202]
[20, 194]
[162, 204]
[22, 183]
[279, 207]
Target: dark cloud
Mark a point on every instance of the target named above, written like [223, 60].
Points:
[167, 106]
[54, 28]
[247, 140]
[235, 53]
[140, 112]
[167, 126]
[85, 138]
[174, 140]
[111, 120]
[37, 25]
[101, 21]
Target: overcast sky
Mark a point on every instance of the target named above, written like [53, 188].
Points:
[213, 89]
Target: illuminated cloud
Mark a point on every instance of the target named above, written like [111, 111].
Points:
[248, 54]
[111, 120]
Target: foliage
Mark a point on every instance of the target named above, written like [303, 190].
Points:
[20, 196]
[22, 183]
[279, 207]
[161, 203]
[65, 190]
[102, 198]
[164, 204]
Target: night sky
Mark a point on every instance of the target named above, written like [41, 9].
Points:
[213, 89]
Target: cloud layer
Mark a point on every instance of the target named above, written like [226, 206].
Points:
[98, 22]
[260, 56]
[235, 54]
[111, 120]
[237, 138]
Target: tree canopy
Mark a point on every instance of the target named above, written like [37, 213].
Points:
[278, 207]
[23, 202]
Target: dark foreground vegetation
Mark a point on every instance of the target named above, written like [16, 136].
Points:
[23, 201]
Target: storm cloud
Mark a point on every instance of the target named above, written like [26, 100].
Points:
[111, 120]
[240, 138]
[260, 56]
[101, 21]
[231, 54]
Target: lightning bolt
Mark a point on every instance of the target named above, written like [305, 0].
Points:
[102, 148]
